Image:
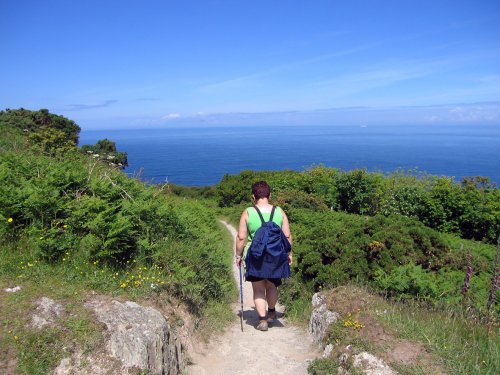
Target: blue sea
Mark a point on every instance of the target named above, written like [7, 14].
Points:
[201, 156]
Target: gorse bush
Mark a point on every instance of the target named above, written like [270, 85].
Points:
[395, 254]
[470, 209]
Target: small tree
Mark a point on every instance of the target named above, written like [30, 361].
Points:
[105, 150]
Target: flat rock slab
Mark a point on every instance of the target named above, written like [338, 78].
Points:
[46, 313]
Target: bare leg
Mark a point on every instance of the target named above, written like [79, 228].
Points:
[259, 297]
[271, 294]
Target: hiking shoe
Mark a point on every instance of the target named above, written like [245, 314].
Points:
[272, 315]
[262, 325]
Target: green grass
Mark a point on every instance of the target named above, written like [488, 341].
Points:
[410, 369]
[39, 350]
[463, 344]
[323, 366]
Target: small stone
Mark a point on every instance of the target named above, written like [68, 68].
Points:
[64, 367]
[318, 299]
[328, 351]
[13, 290]
[364, 362]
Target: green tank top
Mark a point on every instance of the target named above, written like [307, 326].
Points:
[254, 222]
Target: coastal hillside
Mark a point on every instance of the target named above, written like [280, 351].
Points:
[75, 228]
[82, 239]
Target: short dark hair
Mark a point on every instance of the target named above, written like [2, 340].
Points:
[261, 190]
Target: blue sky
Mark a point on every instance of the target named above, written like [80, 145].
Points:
[132, 64]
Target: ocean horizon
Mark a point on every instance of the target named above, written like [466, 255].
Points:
[200, 156]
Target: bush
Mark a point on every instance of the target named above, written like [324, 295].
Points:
[397, 255]
[470, 210]
[42, 123]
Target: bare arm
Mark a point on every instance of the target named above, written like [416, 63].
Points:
[285, 227]
[241, 237]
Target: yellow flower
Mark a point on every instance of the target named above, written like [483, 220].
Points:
[65, 226]
[10, 220]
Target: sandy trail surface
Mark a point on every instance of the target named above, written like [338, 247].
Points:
[282, 349]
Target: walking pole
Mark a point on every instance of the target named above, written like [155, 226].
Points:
[241, 298]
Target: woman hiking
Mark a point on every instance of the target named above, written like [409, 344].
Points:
[265, 289]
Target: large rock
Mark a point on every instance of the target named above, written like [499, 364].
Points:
[321, 318]
[139, 336]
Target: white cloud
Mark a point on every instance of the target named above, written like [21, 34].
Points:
[171, 116]
[475, 113]
[480, 112]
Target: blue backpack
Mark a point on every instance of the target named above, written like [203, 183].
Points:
[267, 256]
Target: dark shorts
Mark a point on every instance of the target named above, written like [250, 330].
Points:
[276, 282]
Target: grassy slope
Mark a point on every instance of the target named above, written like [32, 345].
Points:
[412, 338]
[74, 280]
[72, 227]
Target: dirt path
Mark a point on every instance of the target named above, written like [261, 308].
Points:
[283, 349]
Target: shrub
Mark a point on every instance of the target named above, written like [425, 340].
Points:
[470, 210]
[396, 254]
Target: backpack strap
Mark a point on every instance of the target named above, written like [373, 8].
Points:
[260, 215]
[272, 214]
[261, 218]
